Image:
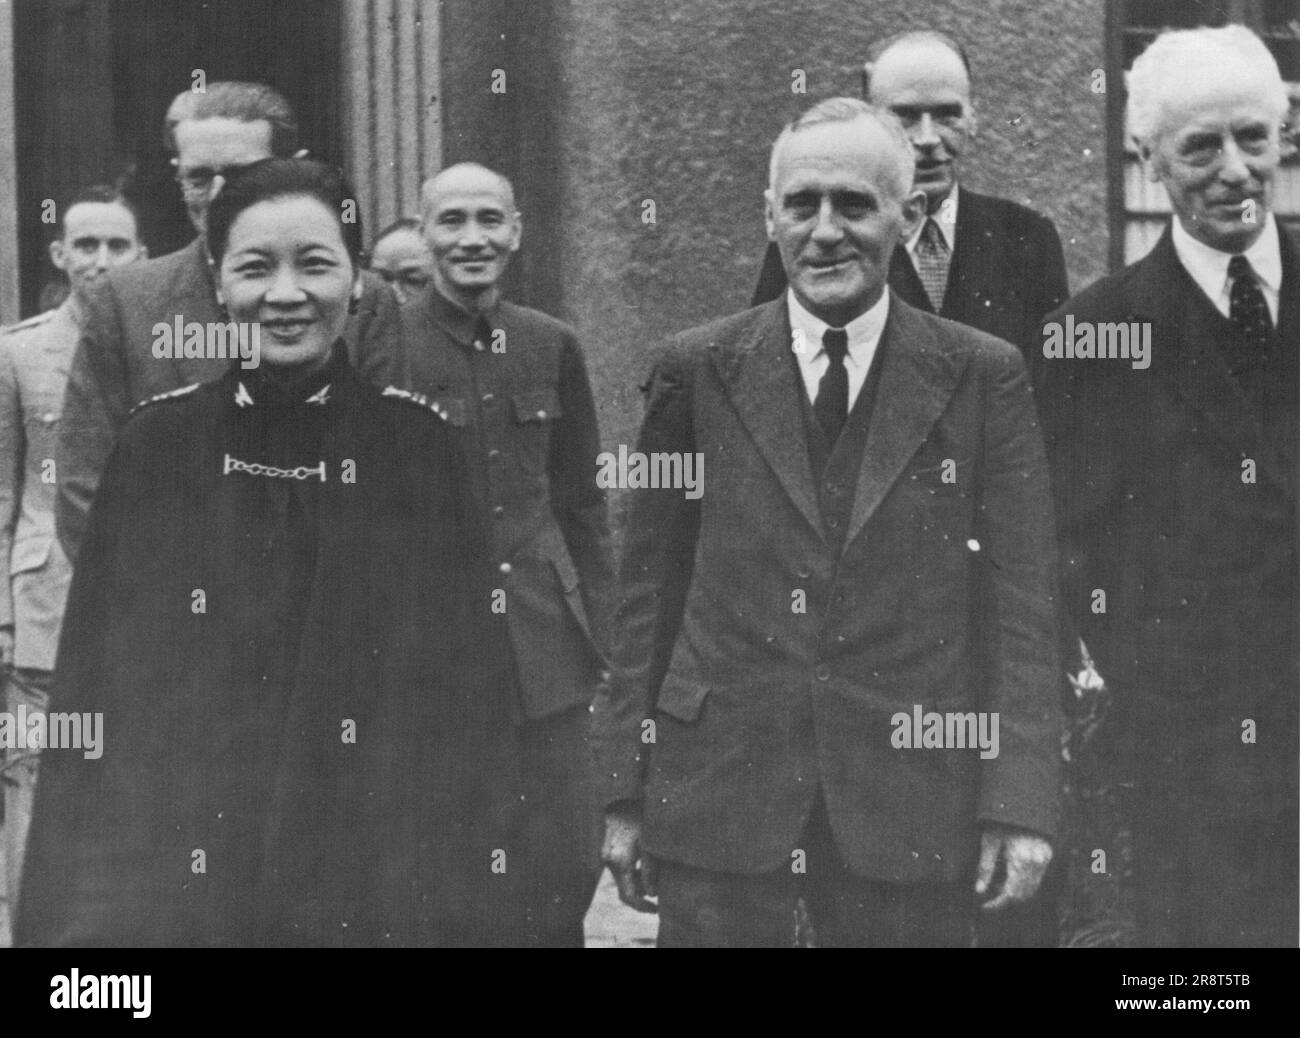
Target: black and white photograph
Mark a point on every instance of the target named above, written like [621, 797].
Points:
[530, 474]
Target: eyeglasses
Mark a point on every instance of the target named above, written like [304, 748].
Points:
[199, 178]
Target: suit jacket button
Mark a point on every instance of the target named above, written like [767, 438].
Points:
[823, 672]
[505, 567]
[498, 511]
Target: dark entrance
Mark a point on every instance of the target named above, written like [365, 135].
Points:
[94, 79]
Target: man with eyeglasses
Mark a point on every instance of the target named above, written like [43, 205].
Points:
[986, 262]
[401, 256]
[213, 133]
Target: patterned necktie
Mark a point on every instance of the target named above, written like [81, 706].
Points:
[932, 263]
[832, 404]
[1246, 303]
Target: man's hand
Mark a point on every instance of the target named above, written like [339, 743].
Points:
[6, 646]
[1025, 857]
[621, 851]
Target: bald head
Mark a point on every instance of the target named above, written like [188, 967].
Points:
[472, 229]
[467, 177]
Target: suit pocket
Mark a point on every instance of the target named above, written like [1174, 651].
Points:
[30, 554]
[681, 699]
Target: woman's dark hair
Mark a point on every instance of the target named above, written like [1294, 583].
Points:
[285, 178]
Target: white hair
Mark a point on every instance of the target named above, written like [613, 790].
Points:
[850, 110]
[1180, 53]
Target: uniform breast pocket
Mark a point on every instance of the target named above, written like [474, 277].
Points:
[535, 414]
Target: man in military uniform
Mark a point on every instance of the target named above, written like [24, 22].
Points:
[97, 230]
[515, 381]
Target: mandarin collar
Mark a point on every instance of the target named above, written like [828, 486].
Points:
[259, 389]
[460, 324]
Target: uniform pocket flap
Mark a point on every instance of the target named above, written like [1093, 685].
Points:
[537, 405]
[682, 699]
[29, 554]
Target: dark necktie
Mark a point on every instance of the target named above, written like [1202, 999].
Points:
[1246, 304]
[832, 404]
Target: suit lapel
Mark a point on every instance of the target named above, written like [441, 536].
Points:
[970, 269]
[196, 301]
[763, 387]
[916, 383]
[905, 281]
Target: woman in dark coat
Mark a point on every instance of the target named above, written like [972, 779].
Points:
[282, 610]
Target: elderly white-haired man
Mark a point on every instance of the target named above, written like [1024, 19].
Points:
[1176, 488]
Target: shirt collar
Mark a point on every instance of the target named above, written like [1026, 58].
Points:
[945, 218]
[863, 331]
[1209, 266]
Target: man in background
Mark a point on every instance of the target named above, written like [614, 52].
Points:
[400, 255]
[97, 231]
[514, 380]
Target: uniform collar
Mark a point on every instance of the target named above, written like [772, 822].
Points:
[260, 389]
[465, 328]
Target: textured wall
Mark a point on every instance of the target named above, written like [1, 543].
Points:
[679, 100]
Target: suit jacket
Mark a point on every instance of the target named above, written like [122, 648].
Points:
[1197, 563]
[941, 596]
[114, 367]
[34, 360]
[527, 409]
[1007, 271]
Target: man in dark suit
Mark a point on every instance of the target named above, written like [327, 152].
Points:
[873, 548]
[1176, 477]
[984, 261]
[228, 126]
[515, 381]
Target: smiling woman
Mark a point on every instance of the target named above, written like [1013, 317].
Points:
[282, 611]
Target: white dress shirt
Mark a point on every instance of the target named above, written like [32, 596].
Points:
[806, 341]
[1209, 267]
